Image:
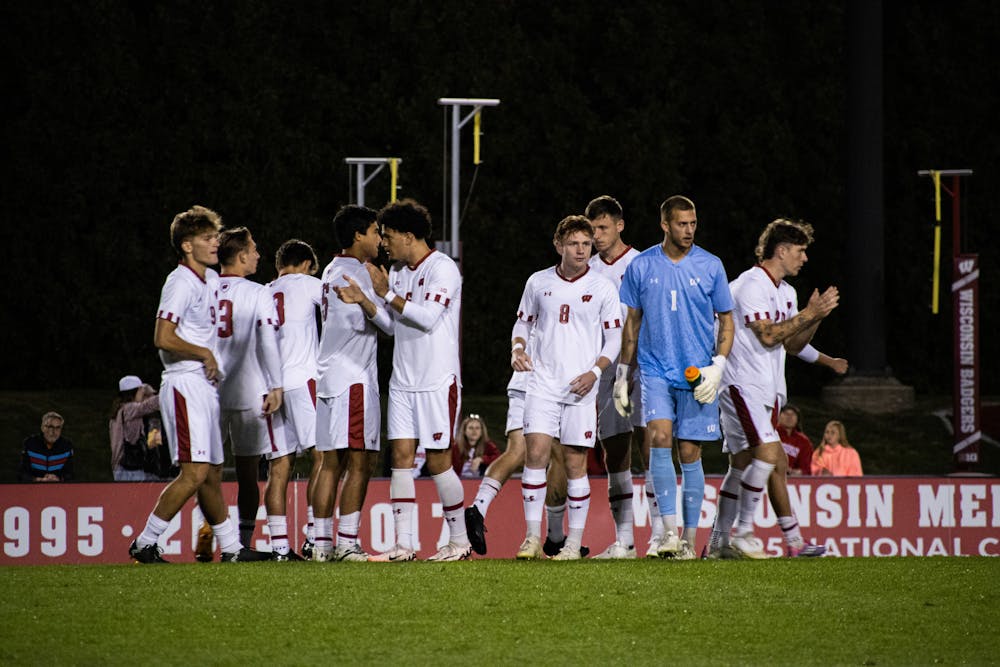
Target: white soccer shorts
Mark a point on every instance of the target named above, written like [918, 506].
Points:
[572, 424]
[352, 420]
[747, 420]
[189, 405]
[430, 417]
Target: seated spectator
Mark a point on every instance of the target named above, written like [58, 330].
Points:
[835, 456]
[47, 456]
[135, 402]
[473, 451]
[797, 446]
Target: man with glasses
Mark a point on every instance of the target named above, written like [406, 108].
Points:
[47, 456]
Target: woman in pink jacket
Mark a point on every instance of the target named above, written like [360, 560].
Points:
[835, 456]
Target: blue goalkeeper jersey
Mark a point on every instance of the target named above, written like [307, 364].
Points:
[678, 303]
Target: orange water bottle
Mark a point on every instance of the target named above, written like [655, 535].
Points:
[693, 376]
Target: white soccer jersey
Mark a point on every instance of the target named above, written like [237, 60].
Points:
[425, 356]
[247, 343]
[349, 342]
[189, 302]
[568, 319]
[296, 296]
[751, 366]
[615, 269]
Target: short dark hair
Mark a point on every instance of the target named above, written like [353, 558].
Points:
[603, 205]
[350, 220]
[407, 216]
[232, 242]
[190, 223]
[293, 252]
[675, 203]
[573, 223]
[781, 231]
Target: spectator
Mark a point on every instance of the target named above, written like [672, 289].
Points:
[473, 450]
[135, 402]
[47, 456]
[835, 456]
[797, 446]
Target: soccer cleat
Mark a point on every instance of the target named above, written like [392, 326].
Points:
[669, 545]
[203, 550]
[349, 553]
[245, 555]
[654, 544]
[551, 548]
[147, 554]
[748, 546]
[321, 556]
[531, 548]
[452, 552]
[284, 558]
[685, 552]
[476, 528]
[397, 554]
[616, 551]
[806, 551]
[568, 552]
[307, 549]
[725, 552]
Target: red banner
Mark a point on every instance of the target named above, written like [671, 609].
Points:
[863, 516]
[966, 405]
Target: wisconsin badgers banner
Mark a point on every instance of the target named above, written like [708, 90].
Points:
[966, 406]
[860, 516]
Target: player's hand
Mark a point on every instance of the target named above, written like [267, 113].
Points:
[838, 365]
[520, 361]
[211, 366]
[351, 293]
[711, 376]
[823, 303]
[272, 402]
[583, 383]
[380, 278]
[623, 405]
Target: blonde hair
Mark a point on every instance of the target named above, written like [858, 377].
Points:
[463, 443]
[781, 231]
[841, 436]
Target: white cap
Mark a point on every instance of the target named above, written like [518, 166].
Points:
[129, 382]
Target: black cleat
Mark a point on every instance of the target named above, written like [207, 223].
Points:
[245, 555]
[476, 529]
[281, 558]
[148, 554]
[551, 548]
[307, 550]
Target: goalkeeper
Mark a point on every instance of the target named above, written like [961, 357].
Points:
[674, 292]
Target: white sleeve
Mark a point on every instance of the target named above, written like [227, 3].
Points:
[268, 352]
[443, 283]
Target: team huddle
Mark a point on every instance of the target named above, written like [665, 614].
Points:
[621, 347]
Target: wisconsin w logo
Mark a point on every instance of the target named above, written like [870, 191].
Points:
[966, 265]
[587, 297]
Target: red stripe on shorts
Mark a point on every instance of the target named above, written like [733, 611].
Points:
[312, 390]
[743, 412]
[452, 411]
[183, 428]
[356, 417]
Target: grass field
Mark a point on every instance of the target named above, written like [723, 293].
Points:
[837, 611]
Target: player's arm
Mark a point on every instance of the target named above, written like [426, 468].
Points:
[354, 293]
[727, 333]
[811, 355]
[771, 333]
[519, 359]
[630, 336]
[268, 353]
[165, 338]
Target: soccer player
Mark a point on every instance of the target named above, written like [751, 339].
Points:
[250, 394]
[754, 386]
[674, 292]
[297, 293]
[423, 291]
[185, 335]
[507, 463]
[616, 432]
[348, 411]
[575, 316]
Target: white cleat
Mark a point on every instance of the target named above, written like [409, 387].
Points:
[669, 545]
[349, 553]
[568, 552]
[530, 549]
[397, 554]
[616, 551]
[651, 548]
[748, 546]
[322, 556]
[452, 552]
[685, 552]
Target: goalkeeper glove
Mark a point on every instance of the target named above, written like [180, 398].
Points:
[707, 389]
[620, 393]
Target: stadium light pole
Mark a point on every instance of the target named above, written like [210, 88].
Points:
[357, 166]
[452, 247]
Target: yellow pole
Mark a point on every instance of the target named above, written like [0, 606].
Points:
[476, 133]
[936, 283]
[393, 177]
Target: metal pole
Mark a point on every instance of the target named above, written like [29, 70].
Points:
[359, 194]
[358, 164]
[455, 145]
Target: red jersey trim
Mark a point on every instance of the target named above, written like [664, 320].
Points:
[188, 267]
[430, 252]
[572, 280]
[777, 283]
[615, 260]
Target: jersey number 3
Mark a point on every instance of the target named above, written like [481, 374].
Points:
[225, 318]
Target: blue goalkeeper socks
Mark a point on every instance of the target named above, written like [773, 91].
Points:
[693, 487]
[661, 464]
